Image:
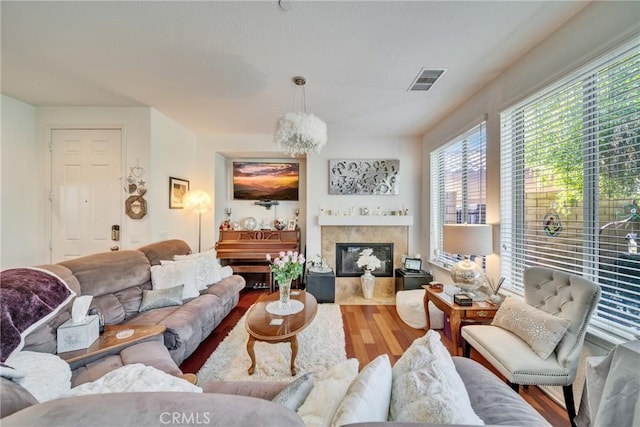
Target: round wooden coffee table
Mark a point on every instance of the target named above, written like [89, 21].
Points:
[262, 326]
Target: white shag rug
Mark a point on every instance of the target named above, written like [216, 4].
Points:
[321, 345]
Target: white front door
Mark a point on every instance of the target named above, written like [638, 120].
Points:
[85, 191]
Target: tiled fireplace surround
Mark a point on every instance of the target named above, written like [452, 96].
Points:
[348, 289]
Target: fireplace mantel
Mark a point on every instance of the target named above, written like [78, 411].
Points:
[365, 220]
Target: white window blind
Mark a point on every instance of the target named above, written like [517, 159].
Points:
[458, 187]
[570, 185]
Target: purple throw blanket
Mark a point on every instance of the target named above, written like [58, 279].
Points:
[28, 298]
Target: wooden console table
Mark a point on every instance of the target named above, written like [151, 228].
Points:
[478, 312]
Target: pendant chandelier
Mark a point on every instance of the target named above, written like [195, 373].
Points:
[301, 133]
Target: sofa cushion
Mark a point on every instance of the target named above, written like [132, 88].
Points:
[164, 250]
[29, 297]
[151, 353]
[154, 409]
[492, 399]
[110, 307]
[130, 300]
[323, 400]
[368, 396]
[109, 272]
[159, 298]
[94, 370]
[14, 397]
[260, 389]
[541, 330]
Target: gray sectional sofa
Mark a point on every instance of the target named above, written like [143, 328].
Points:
[246, 404]
[116, 281]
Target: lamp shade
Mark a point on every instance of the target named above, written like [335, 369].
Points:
[467, 239]
[301, 133]
[198, 201]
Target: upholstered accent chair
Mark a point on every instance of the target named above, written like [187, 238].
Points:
[571, 300]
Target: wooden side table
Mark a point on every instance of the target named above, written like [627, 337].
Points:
[479, 311]
[107, 341]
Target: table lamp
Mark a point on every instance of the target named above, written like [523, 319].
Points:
[467, 240]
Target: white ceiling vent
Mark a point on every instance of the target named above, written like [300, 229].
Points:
[425, 79]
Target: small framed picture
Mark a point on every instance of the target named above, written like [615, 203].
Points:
[291, 225]
[177, 189]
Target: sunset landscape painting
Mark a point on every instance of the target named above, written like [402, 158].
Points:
[265, 181]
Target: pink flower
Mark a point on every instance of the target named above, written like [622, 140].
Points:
[282, 254]
[268, 257]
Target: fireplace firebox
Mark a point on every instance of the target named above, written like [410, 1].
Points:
[347, 255]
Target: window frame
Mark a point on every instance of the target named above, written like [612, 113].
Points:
[512, 175]
[438, 190]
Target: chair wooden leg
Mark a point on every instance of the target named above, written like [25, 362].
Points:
[569, 403]
[466, 349]
[514, 387]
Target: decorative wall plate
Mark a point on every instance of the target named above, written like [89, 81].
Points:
[552, 223]
[135, 207]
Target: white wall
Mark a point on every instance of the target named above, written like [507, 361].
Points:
[135, 124]
[22, 199]
[173, 152]
[406, 149]
[215, 153]
[150, 140]
[314, 193]
[596, 29]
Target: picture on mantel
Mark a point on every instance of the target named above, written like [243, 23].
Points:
[364, 177]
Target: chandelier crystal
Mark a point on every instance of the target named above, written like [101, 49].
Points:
[301, 133]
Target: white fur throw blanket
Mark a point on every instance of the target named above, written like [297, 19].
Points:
[134, 378]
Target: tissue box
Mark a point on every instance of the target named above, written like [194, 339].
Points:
[77, 335]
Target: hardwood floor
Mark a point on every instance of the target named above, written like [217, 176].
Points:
[370, 330]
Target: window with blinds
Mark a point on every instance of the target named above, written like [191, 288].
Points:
[458, 187]
[570, 185]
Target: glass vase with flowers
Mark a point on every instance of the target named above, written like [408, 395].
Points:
[287, 266]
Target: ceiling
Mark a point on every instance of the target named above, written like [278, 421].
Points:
[225, 67]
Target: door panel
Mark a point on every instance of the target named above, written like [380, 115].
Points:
[85, 190]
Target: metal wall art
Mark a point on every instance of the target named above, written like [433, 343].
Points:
[365, 177]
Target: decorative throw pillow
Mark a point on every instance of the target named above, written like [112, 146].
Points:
[226, 271]
[541, 330]
[368, 396]
[424, 396]
[29, 297]
[296, 392]
[158, 298]
[207, 271]
[323, 400]
[425, 380]
[171, 273]
[47, 375]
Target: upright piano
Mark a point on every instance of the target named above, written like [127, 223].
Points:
[246, 250]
